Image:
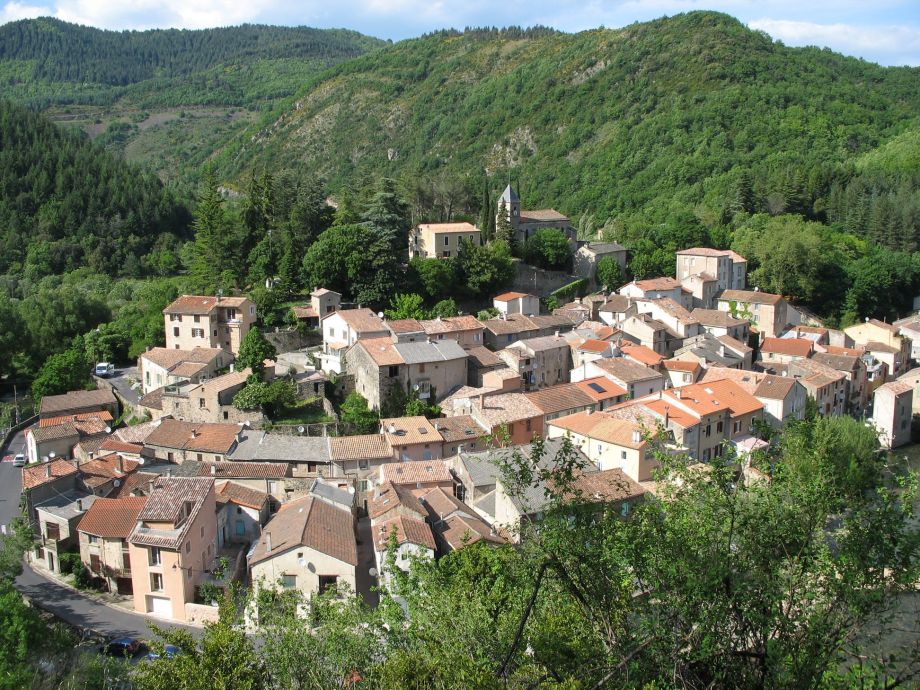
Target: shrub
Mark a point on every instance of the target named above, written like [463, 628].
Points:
[70, 563]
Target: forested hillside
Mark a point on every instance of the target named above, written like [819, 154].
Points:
[81, 61]
[66, 204]
[640, 123]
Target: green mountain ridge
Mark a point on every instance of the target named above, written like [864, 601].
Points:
[642, 119]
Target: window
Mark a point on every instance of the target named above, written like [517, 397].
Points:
[719, 428]
[156, 582]
[175, 317]
[188, 547]
[708, 430]
[393, 372]
[363, 464]
[200, 402]
[176, 332]
[529, 425]
[446, 241]
[198, 333]
[197, 318]
[240, 528]
[736, 427]
[226, 414]
[327, 581]
[289, 581]
[273, 487]
[170, 457]
[624, 509]
[622, 454]
[52, 530]
[421, 368]
[200, 457]
[93, 539]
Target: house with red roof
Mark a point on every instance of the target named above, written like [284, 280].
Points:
[103, 534]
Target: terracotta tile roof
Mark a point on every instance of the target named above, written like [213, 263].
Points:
[625, 370]
[166, 502]
[101, 470]
[508, 296]
[104, 415]
[506, 408]
[681, 365]
[187, 370]
[752, 296]
[705, 398]
[600, 388]
[748, 380]
[388, 496]
[463, 227]
[793, 347]
[774, 387]
[483, 357]
[139, 482]
[309, 522]
[660, 410]
[54, 433]
[169, 359]
[816, 374]
[734, 344]
[852, 351]
[642, 354]
[543, 215]
[657, 284]
[602, 427]
[153, 399]
[382, 351]
[594, 345]
[451, 324]
[407, 431]
[195, 436]
[415, 471]
[116, 445]
[319, 292]
[895, 387]
[231, 492]
[875, 346]
[607, 486]
[672, 308]
[838, 362]
[560, 398]
[244, 470]
[408, 531]
[200, 304]
[405, 326]
[363, 447]
[617, 304]
[717, 318]
[305, 312]
[224, 382]
[361, 320]
[112, 518]
[56, 405]
[460, 428]
[39, 474]
[137, 433]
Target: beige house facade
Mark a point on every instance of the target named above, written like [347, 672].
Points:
[216, 322]
[441, 240]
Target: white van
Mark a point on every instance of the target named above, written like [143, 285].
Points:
[104, 369]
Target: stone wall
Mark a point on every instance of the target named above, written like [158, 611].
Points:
[537, 281]
[290, 340]
[199, 614]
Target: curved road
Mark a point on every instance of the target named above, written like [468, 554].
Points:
[66, 604]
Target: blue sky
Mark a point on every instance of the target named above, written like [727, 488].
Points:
[883, 31]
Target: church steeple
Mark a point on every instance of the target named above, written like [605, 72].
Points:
[512, 204]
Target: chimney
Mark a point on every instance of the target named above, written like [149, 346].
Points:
[169, 473]
[268, 542]
[213, 470]
[636, 436]
[556, 334]
[194, 433]
[120, 464]
[79, 505]
[677, 393]
[48, 470]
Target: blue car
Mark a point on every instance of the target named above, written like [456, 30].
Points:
[169, 651]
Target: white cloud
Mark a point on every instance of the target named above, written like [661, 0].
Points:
[896, 44]
[144, 14]
[13, 11]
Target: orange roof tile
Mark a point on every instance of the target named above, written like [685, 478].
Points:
[642, 354]
[112, 518]
[408, 531]
[793, 347]
[46, 472]
[415, 471]
[103, 415]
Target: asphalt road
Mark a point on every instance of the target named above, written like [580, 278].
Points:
[65, 603]
[122, 380]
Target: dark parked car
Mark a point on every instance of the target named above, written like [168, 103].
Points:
[123, 646]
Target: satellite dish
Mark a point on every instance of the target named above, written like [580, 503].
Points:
[351, 490]
[380, 314]
[300, 429]
[116, 483]
[415, 387]
[52, 455]
[372, 572]
[108, 430]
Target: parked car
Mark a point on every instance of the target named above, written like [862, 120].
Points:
[19, 460]
[123, 646]
[104, 369]
[169, 651]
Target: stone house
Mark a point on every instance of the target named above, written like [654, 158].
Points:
[176, 441]
[199, 321]
[163, 366]
[241, 513]
[727, 267]
[79, 403]
[589, 254]
[504, 330]
[658, 288]
[342, 329]
[540, 362]
[766, 312]
[211, 401]
[430, 370]
[718, 323]
[103, 534]
[509, 303]
[892, 411]
[885, 342]
[703, 289]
